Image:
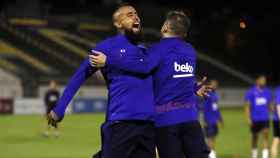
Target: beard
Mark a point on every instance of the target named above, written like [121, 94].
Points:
[133, 37]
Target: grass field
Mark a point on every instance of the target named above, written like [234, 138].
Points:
[21, 137]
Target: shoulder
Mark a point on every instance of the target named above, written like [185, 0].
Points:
[186, 47]
[216, 94]
[250, 91]
[268, 90]
[189, 46]
[48, 91]
[106, 44]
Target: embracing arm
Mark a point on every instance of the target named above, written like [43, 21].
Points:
[142, 63]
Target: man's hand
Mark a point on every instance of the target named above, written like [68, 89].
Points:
[52, 119]
[249, 121]
[203, 81]
[204, 89]
[97, 59]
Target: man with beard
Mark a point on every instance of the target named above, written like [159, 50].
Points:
[258, 101]
[129, 130]
[172, 64]
[212, 117]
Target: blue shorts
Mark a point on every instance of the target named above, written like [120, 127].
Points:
[126, 139]
[211, 131]
[181, 140]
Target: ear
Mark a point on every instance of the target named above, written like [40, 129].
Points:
[185, 35]
[164, 28]
[117, 25]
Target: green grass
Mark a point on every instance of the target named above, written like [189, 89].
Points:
[21, 137]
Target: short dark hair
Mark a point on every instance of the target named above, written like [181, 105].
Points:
[125, 4]
[179, 22]
[258, 76]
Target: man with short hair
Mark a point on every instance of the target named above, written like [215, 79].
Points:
[172, 63]
[212, 117]
[258, 99]
[129, 129]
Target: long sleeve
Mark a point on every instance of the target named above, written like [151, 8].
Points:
[219, 115]
[143, 63]
[81, 75]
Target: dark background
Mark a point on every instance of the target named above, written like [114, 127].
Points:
[215, 30]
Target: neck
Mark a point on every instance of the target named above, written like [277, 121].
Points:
[121, 31]
[169, 35]
[259, 87]
[133, 38]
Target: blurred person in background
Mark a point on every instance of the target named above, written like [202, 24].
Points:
[257, 109]
[276, 125]
[50, 99]
[212, 117]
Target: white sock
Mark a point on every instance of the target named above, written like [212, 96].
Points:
[254, 153]
[212, 154]
[56, 134]
[46, 133]
[265, 153]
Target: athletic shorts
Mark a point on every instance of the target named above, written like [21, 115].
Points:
[211, 131]
[129, 139]
[276, 129]
[181, 140]
[49, 108]
[258, 126]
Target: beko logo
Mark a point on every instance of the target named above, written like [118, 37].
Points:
[186, 68]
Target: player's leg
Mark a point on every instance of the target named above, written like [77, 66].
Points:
[146, 146]
[47, 126]
[194, 144]
[255, 139]
[169, 143]
[265, 151]
[276, 139]
[211, 144]
[56, 131]
[255, 128]
[47, 131]
[211, 133]
[120, 140]
[265, 131]
[274, 147]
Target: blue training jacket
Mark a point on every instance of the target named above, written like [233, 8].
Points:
[259, 100]
[172, 64]
[212, 114]
[130, 95]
